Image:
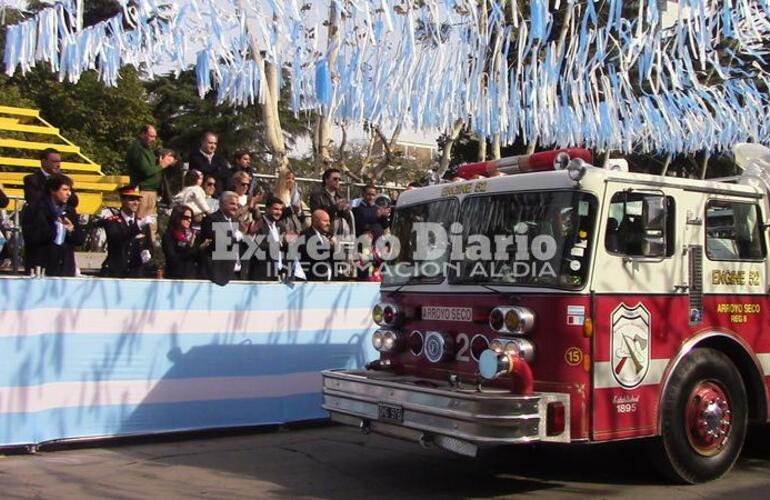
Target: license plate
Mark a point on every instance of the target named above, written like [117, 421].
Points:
[438, 313]
[390, 413]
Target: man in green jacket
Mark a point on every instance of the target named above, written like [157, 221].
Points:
[145, 173]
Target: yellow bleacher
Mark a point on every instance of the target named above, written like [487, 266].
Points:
[90, 183]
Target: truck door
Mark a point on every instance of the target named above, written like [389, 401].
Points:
[640, 306]
[735, 272]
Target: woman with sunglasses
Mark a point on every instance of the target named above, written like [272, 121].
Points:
[183, 253]
[210, 187]
[248, 205]
[288, 192]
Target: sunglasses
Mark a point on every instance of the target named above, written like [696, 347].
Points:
[187, 217]
[244, 184]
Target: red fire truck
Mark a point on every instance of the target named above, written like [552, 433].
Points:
[611, 305]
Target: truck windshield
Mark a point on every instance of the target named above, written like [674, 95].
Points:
[420, 233]
[526, 238]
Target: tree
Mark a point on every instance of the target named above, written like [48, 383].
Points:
[101, 120]
[181, 116]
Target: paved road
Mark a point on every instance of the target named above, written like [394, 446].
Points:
[330, 462]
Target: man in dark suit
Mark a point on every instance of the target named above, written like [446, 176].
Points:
[128, 238]
[271, 238]
[35, 184]
[316, 252]
[226, 242]
[206, 160]
[51, 230]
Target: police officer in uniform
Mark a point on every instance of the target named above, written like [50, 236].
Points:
[128, 238]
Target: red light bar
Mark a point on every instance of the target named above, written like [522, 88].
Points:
[523, 163]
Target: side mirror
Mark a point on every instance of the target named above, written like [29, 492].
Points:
[654, 215]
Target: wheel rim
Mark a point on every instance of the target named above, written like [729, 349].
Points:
[708, 418]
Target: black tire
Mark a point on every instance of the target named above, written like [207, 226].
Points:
[686, 452]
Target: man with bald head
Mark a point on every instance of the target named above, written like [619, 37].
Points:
[225, 235]
[317, 249]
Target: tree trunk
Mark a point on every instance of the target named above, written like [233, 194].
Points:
[446, 154]
[705, 165]
[496, 147]
[666, 164]
[366, 163]
[387, 158]
[269, 94]
[322, 134]
[531, 147]
[482, 149]
[272, 122]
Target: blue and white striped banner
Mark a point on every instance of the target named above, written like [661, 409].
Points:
[102, 357]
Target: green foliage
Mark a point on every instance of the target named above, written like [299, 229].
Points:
[182, 116]
[99, 10]
[101, 120]
[12, 95]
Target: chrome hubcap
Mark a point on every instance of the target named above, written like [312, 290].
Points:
[708, 418]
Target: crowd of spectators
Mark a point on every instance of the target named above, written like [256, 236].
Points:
[223, 224]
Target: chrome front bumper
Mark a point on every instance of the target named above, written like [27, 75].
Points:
[433, 412]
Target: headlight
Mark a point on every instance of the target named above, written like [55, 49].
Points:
[387, 341]
[377, 338]
[514, 320]
[522, 348]
[496, 345]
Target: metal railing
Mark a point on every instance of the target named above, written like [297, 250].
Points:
[348, 186]
[13, 234]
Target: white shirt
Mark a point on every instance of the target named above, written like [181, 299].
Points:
[272, 226]
[236, 233]
[129, 218]
[195, 198]
[324, 238]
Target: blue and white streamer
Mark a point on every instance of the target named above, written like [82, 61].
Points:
[669, 77]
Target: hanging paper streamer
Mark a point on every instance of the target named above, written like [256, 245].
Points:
[652, 76]
[323, 83]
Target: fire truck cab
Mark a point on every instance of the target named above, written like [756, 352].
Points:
[574, 304]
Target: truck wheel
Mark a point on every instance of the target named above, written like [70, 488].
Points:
[703, 418]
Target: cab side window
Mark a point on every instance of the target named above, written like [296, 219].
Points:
[640, 225]
[733, 231]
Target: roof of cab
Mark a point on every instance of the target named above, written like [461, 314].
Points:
[594, 180]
